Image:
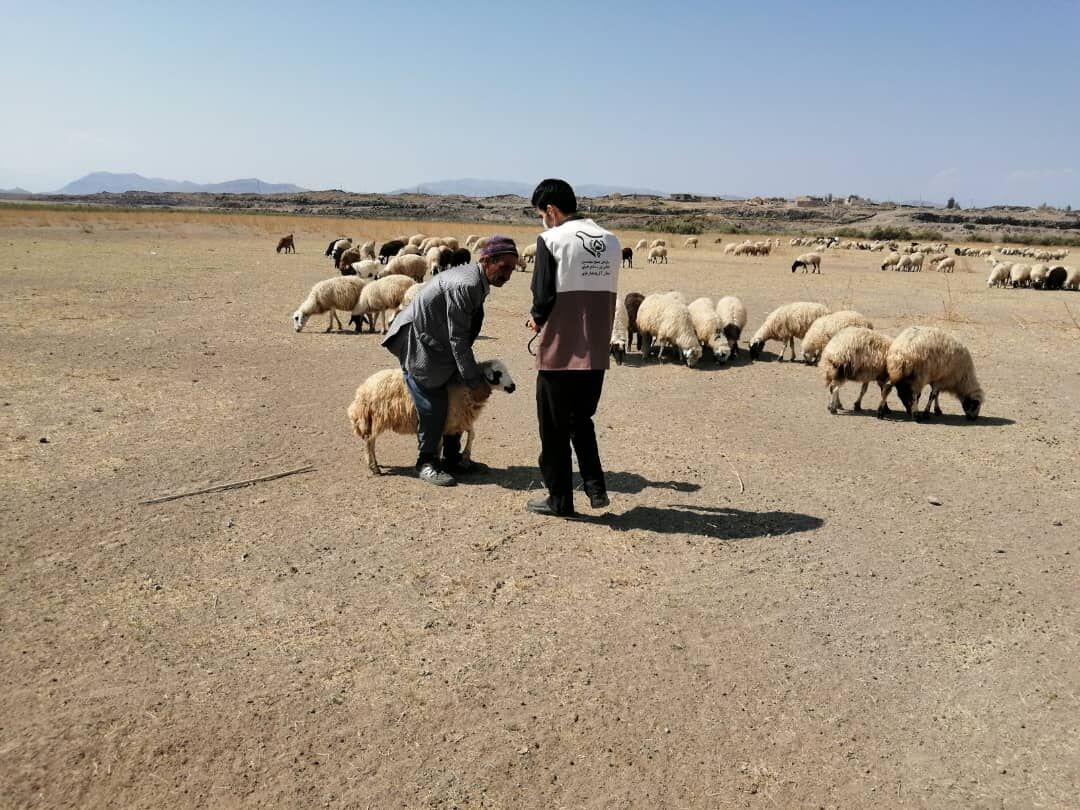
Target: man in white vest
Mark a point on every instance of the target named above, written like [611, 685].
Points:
[575, 284]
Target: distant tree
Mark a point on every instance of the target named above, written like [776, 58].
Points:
[828, 198]
[951, 203]
[1068, 209]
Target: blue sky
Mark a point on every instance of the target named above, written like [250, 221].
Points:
[978, 100]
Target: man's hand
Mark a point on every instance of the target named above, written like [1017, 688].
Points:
[482, 391]
[532, 325]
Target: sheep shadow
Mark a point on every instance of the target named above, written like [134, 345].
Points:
[718, 523]
[948, 419]
[523, 479]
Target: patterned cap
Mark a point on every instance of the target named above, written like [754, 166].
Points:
[498, 246]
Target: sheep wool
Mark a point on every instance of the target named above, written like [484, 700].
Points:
[927, 355]
[658, 255]
[732, 315]
[340, 292]
[822, 330]
[707, 326]
[380, 297]
[415, 267]
[620, 332]
[663, 320]
[858, 354]
[786, 323]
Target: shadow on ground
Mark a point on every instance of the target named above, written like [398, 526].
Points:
[717, 522]
[522, 479]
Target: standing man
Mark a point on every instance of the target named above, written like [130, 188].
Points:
[432, 338]
[575, 284]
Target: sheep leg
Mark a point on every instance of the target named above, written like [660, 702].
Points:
[883, 406]
[466, 454]
[834, 401]
[935, 393]
[333, 318]
[858, 403]
[372, 463]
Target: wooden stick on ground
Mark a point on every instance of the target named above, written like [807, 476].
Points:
[742, 486]
[233, 485]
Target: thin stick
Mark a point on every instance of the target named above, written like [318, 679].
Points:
[233, 485]
[742, 486]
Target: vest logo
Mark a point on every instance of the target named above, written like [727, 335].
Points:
[594, 243]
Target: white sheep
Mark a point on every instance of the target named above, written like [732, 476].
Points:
[380, 300]
[691, 242]
[470, 240]
[415, 267]
[620, 332]
[858, 354]
[416, 239]
[658, 243]
[786, 323]
[927, 355]
[663, 319]
[1039, 272]
[339, 292]
[824, 328]
[368, 268]
[808, 262]
[999, 275]
[528, 253]
[892, 260]
[409, 250]
[917, 262]
[1072, 280]
[905, 264]
[367, 250]
[433, 258]
[732, 315]
[730, 248]
[642, 244]
[707, 326]
[1019, 275]
[658, 255]
[382, 402]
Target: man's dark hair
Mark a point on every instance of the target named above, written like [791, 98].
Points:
[557, 193]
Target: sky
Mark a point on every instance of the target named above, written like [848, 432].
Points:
[893, 101]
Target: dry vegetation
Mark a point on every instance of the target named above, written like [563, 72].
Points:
[772, 614]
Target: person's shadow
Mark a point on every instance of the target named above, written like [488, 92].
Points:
[717, 522]
[522, 479]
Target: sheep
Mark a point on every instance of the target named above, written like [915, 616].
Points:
[367, 250]
[520, 264]
[342, 241]
[707, 326]
[340, 292]
[415, 267]
[1038, 275]
[1055, 279]
[808, 262]
[286, 243]
[786, 323]
[657, 243]
[348, 257]
[450, 242]
[730, 247]
[658, 255]
[408, 296]
[824, 328]
[529, 253]
[379, 297]
[927, 355]
[480, 243]
[946, 265]
[433, 259]
[632, 303]
[459, 257]
[390, 249]
[663, 319]
[1019, 275]
[917, 262]
[642, 244]
[368, 268]
[691, 242]
[855, 353]
[628, 257]
[999, 275]
[620, 332]
[892, 260]
[905, 264]
[1072, 278]
[470, 239]
[732, 316]
[409, 250]
[416, 239]
[382, 402]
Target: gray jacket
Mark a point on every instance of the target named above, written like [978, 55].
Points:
[432, 337]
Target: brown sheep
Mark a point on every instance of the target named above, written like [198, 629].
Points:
[286, 243]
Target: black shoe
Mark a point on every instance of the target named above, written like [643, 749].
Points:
[542, 506]
[463, 467]
[430, 473]
[599, 500]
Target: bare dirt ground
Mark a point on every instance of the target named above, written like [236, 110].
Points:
[825, 638]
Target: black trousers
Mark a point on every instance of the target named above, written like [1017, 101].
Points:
[565, 404]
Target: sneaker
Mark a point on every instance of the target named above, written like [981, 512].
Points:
[599, 500]
[430, 473]
[542, 506]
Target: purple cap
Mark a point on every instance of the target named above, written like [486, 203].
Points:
[498, 246]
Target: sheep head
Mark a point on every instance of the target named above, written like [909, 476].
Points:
[972, 403]
[755, 349]
[299, 319]
[692, 355]
[618, 352]
[498, 375]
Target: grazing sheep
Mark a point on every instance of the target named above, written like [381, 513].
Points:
[378, 298]
[628, 257]
[340, 292]
[642, 244]
[691, 242]
[470, 240]
[892, 260]
[917, 262]
[999, 275]
[658, 255]
[633, 304]
[382, 402]
[730, 248]
[1020, 275]
[390, 249]
[732, 316]
[664, 320]
[905, 264]
[927, 355]
[415, 267]
[450, 242]
[346, 258]
[341, 242]
[1056, 278]
[707, 326]
[658, 243]
[286, 243]
[529, 253]
[1072, 278]
[824, 328]
[808, 262]
[1038, 276]
[785, 323]
[944, 265]
[416, 239]
[620, 332]
[367, 268]
[367, 250]
[433, 258]
[855, 353]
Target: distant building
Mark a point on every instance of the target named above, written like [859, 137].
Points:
[808, 202]
[686, 197]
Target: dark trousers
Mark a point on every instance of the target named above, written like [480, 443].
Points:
[565, 404]
[432, 405]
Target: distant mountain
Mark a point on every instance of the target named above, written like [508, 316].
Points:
[473, 187]
[98, 182]
[15, 190]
